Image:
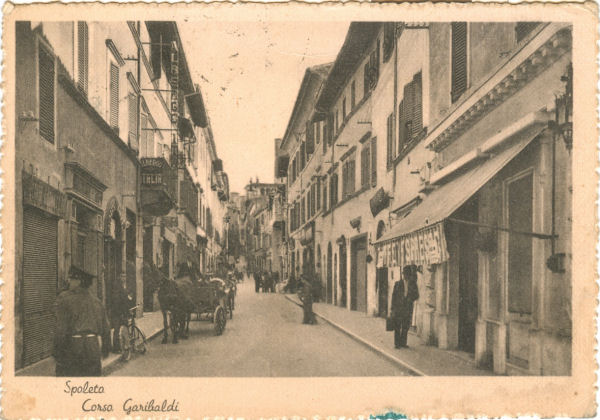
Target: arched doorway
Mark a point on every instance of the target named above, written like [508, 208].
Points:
[329, 275]
[381, 280]
[319, 270]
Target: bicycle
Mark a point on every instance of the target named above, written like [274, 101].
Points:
[132, 338]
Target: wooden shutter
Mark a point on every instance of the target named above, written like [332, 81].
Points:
[366, 79]
[417, 105]
[373, 161]
[132, 120]
[114, 96]
[82, 56]
[459, 59]
[310, 138]
[365, 163]
[46, 94]
[318, 193]
[325, 194]
[351, 176]
[330, 129]
[317, 128]
[325, 139]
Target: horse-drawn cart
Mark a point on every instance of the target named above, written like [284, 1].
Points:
[210, 303]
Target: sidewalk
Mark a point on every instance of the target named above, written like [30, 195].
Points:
[419, 358]
[151, 325]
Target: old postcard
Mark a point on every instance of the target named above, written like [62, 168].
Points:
[278, 210]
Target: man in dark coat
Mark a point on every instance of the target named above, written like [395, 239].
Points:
[80, 321]
[307, 300]
[405, 293]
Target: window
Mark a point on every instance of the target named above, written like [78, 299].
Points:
[519, 206]
[374, 162]
[114, 96]
[459, 60]
[348, 177]
[132, 118]
[352, 95]
[333, 190]
[522, 29]
[410, 114]
[325, 136]
[337, 126]
[344, 108]
[391, 149]
[310, 139]
[46, 71]
[303, 216]
[309, 204]
[325, 195]
[82, 56]
[317, 129]
[313, 199]
[318, 195]
[365, 165]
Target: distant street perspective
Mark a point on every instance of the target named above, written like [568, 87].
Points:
[265, 338]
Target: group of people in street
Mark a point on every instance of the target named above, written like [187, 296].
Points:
[265, 281]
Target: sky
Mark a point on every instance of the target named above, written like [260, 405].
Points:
[249, 74]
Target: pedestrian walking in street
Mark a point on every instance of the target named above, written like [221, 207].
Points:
[80, 322]
[307, 300]
[404, 295]
[256, 276]
[265, 280]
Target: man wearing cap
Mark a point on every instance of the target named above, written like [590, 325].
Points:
[80, 321]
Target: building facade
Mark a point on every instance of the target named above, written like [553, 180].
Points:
[456, 160]
[113, 153]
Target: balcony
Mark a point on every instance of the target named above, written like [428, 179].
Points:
[158, 186]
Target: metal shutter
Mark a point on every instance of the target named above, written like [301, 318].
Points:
[114, 96]
[40, 238]
[459, 59]
[46, 94]
[82, 56]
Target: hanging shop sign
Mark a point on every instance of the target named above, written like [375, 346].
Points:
[424, 247]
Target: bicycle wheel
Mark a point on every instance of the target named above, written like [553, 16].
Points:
[138, 340]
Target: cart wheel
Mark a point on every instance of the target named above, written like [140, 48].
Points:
[220, 320]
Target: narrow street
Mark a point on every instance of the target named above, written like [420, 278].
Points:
[265, 338]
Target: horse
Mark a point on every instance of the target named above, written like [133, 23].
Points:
[174, 297]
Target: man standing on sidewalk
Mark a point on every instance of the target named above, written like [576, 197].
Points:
[80, 321]
[307, 300]
[405, 293]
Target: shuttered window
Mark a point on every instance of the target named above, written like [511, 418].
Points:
[325, 194]
[310, 139]
[374, 162]
[114, 96]
[46, 93]
[390, 139]
[352, 95]
[318, 194]
[317, 128]
[365, 165]
[333, 190]
[410, 114]
[132, 120]
[82, 56]
[459, 59]
[325, 136]
[366, 79]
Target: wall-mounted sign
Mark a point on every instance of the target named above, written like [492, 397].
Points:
[424, 247]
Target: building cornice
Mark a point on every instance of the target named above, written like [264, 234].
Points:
[528, 62]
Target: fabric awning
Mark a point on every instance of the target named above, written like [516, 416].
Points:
[418, 238]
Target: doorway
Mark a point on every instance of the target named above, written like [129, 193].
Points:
[342, 273]
[358, 275]
[467, 276]
[329, 275]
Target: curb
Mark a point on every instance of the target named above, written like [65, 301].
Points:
[368, 344]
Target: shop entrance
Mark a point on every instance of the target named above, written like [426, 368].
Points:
[467, 276]
[358, 275]
[342, 271]
[329, 275]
